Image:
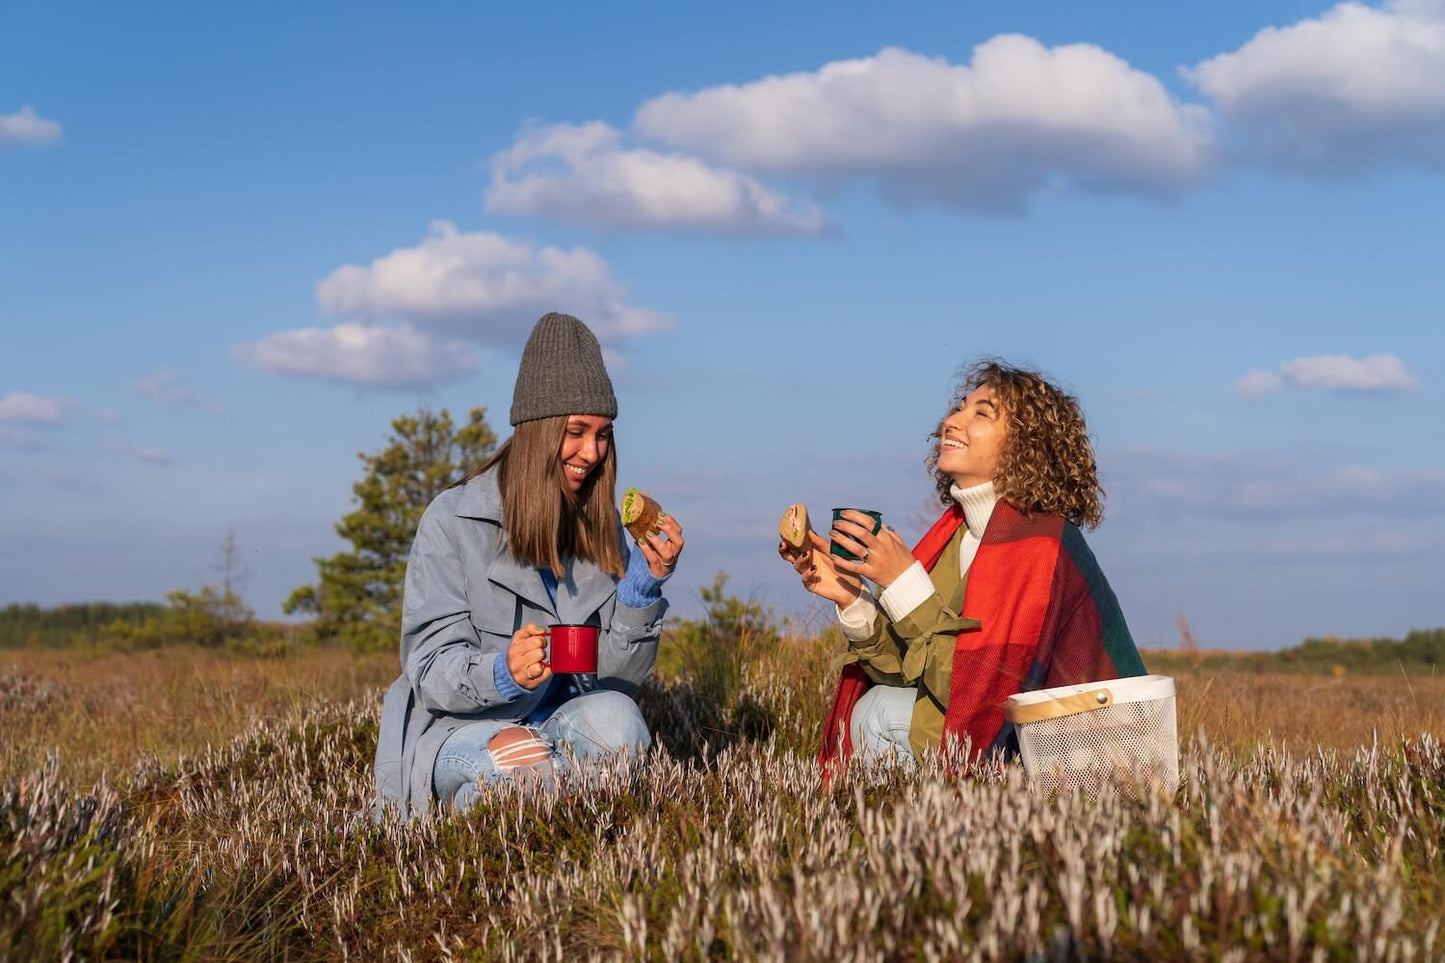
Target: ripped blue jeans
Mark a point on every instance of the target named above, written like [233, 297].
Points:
[589, 731]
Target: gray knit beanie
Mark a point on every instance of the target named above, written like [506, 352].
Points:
[562, 373]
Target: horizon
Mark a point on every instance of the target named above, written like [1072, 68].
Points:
[236, 244]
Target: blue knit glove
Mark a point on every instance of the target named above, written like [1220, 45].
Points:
[502, 678]
[639, 588]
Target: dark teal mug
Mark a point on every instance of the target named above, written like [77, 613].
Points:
[834, 548]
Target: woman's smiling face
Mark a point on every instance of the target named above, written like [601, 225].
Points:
[972, 440]
[584, 447]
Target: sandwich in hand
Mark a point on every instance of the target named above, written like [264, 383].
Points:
[794, 528]
[640, 514]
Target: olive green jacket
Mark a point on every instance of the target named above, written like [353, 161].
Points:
[917, 650]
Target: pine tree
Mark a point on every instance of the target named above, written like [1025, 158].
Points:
[357, 597]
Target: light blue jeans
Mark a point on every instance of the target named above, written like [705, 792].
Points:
[585, 732]
[879, 725]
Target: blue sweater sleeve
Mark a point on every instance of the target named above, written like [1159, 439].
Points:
[502, 676]
[639, 588]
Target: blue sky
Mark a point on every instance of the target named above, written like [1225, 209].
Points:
[235, 242]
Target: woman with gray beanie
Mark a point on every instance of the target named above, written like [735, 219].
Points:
[530, 540]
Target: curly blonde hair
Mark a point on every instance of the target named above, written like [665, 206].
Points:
[1047, 463]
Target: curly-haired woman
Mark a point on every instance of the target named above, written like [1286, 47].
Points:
[1000, 596]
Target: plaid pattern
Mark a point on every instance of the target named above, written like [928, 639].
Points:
[1048, 618]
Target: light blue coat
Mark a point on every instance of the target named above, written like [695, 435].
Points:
[464, 598]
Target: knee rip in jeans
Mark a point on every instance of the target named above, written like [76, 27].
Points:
[518, 748]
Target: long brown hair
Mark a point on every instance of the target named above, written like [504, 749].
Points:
[1047, 462]
[543, 520]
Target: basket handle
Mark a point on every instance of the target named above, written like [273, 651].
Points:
[1062, 706]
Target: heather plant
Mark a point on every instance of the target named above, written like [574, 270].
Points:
[725, 845]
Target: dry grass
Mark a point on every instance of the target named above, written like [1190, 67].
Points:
[99, 711]
[1303, 712]
[725, 846]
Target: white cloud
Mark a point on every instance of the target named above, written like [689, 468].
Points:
[1255, 384]
[1377, 545]
[165, 388]
[146, 453]
[581, 174]
[1332, 372]
[486, 287]
[155, 456]
[1380, 372]
[450, 289]
[1019, 119]
[1356, 87]
[1227, 485]
[359, 354]
[106, 416]
[26, 128]
[35, 409]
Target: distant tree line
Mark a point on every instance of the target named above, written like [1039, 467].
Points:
[213, 615]
[1420, 647]
[1420, 652]
[29, 625]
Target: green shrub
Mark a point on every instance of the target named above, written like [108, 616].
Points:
[207, 618]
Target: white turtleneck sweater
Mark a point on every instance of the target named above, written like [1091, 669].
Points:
[913, 587]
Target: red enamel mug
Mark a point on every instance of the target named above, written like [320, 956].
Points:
[573, 648]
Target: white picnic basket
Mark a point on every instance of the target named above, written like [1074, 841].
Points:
[1078, 736]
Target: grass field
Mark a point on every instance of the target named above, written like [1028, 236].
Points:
[183, 803]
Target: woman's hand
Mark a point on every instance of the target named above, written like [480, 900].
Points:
[525, 657]
[662, 553]
[820, 576]
[881, 557]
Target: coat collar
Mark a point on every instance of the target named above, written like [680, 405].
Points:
[481, 498]
[585, 590]
[521, 580]
[586, 587]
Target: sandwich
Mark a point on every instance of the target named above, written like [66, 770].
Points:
[794, 528]
[640, 514]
